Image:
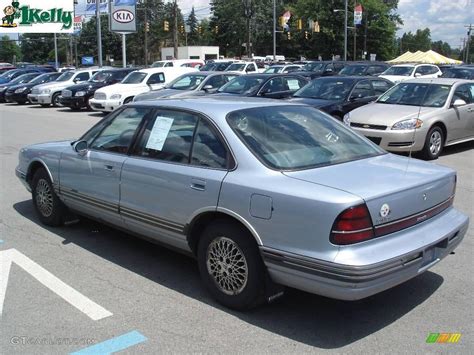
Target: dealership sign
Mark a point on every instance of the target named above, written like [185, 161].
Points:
[37, 16]
[123, 16]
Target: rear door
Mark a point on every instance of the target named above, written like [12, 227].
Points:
[361, 94]
[175, 171]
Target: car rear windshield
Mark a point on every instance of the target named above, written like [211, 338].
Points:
[134, 78]
[416, 94]
[353, 70]
[66, 76]
[236, 67]
[403, 71]
[298, 137]
[273, 70]
[326, 89]
[187, 82]
[242, 85]
[313, 66]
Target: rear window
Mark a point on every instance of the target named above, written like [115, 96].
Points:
[298, 137]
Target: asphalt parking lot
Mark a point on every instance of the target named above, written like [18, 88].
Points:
[72, 287]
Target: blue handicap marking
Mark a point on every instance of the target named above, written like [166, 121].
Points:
[113, 345]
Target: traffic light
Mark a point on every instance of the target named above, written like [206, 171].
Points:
[216, 29]
[147, 27]
[282, 21]
[181, 28]
[289, 36]
[166, 26]
[299, 25]
[199, 29]
[316, 27]
[306, 34]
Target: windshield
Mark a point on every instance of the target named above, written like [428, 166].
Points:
[187, 82]
[158, 65]
[9, 74]
[40, 79]
[208, 67]
[236, 67]
[66, 76]
[313, 66]
[298, 137]
[416, 94]
[25, 78]
[134, 78]
[402, 71]
[101, 77]
[458, 73]
[326, 89]
[273, 70]
[353, 70]
[242, 85]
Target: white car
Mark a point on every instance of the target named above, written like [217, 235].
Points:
[108, 98]
[283, 68]
[243, 68]
[49, 93]
[178, 63]
[402, 72]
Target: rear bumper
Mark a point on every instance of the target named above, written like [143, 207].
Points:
[352, 282]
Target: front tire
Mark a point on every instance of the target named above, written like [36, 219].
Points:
[230, 265]
[55, 100]
[434, 143]
[49, 208]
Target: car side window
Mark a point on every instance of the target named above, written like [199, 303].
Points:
[380, 86]
[420, 70]
[464, 92]
[273, 85]
[156, 79]
[118, 135]
[250, 68]
[208, 150]
[169, 64]
[82, 77]
[362, 89]
[293, 84]
[168, 137]
[216, 81]
[374, 69]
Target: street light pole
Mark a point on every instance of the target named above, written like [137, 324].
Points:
[345, 29]
[274, 30]
[56, 63]
[99, 32]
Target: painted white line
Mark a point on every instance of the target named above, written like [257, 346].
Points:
[75, 298]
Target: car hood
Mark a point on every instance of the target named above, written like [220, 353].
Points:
[164, 93]
[124, 89]
[387, 114]
[51, 147]
[407, 185]
[313, 102]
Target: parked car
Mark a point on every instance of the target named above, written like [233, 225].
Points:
[19, 80]
[317, 69]
[459, 72]
[216, 66]
[109, 98]
[11, 75]
[77, 96]
[190, 84]
[243, 67]
[273, 86]
[287, 68]
[364, 68]
[19, 93]
[262, 192]
[49, 94]
[177, 63]
[419, 115]
[6, 67]
[402, 72]
[338, 95]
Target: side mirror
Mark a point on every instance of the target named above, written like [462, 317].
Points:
[459, 102]
[417, 75]
[355, 97]
[80, 147]
[208, 88]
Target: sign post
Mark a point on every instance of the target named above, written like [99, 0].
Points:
[123, 20]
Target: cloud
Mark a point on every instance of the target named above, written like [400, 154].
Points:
[445, 18]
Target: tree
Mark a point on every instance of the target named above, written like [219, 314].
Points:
[192, 22]
[442, 48]
[36, 47]
[9, 50]
[418, 41]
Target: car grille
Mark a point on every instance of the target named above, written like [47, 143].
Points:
[376, 140]
[66, 93]
[368, 126]
[100, 96]
[35, 91]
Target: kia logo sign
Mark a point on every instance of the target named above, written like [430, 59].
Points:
[123, 16]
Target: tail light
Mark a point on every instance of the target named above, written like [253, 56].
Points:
[352, 226]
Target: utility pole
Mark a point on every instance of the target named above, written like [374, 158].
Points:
[56, 62]
[146, 34]
[274, 31]
[248, 7]
[355, 33]
[99, 32]
[175, 29]
[345, 29]
[470, 27]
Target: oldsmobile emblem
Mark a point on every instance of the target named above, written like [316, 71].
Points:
[384, 210]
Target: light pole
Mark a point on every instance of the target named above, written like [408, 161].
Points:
[99, 32]
[274, 31]
[345, 27]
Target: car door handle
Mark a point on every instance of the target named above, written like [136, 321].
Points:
[109, 167]
[199, 185]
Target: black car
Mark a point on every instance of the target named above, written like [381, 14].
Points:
[19, 93]
[339, 95]
[317, 69]
[364, 69]
[459, 72]
[25, 78]
[10, 75]
[274, 86]
[77, 96]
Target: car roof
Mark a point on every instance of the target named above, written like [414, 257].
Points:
[443, 81]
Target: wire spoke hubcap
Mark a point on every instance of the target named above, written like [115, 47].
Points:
[435, 142]
[227, 265]
[44, 198]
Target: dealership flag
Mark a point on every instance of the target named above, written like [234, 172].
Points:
[358, 15]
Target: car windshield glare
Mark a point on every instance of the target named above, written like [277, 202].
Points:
[353, 70]
[40, 79]
[187, 82]
[313, 67]
[273, 70]
[416, 94]
[134, 78]
[242, 85]
[235, 67]
[402, 71]
[298, 137]
[66, 76]
[101, 77]
[325, 89]
[158, 65]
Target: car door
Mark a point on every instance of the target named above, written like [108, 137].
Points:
[156, 81]
[90, 182]
[176, 170]
[460, 119]
[361, 94]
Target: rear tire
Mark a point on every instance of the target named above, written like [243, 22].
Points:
[230, 265]
[55, 100]
[49, 208]
[434, 143]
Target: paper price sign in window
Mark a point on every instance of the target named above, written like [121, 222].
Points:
[159, 133]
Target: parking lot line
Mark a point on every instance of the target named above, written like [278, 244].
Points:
[113, 345]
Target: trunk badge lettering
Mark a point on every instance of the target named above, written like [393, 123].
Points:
[384, 210]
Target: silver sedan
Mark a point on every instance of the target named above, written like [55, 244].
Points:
[421, 115]
[263, 193]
